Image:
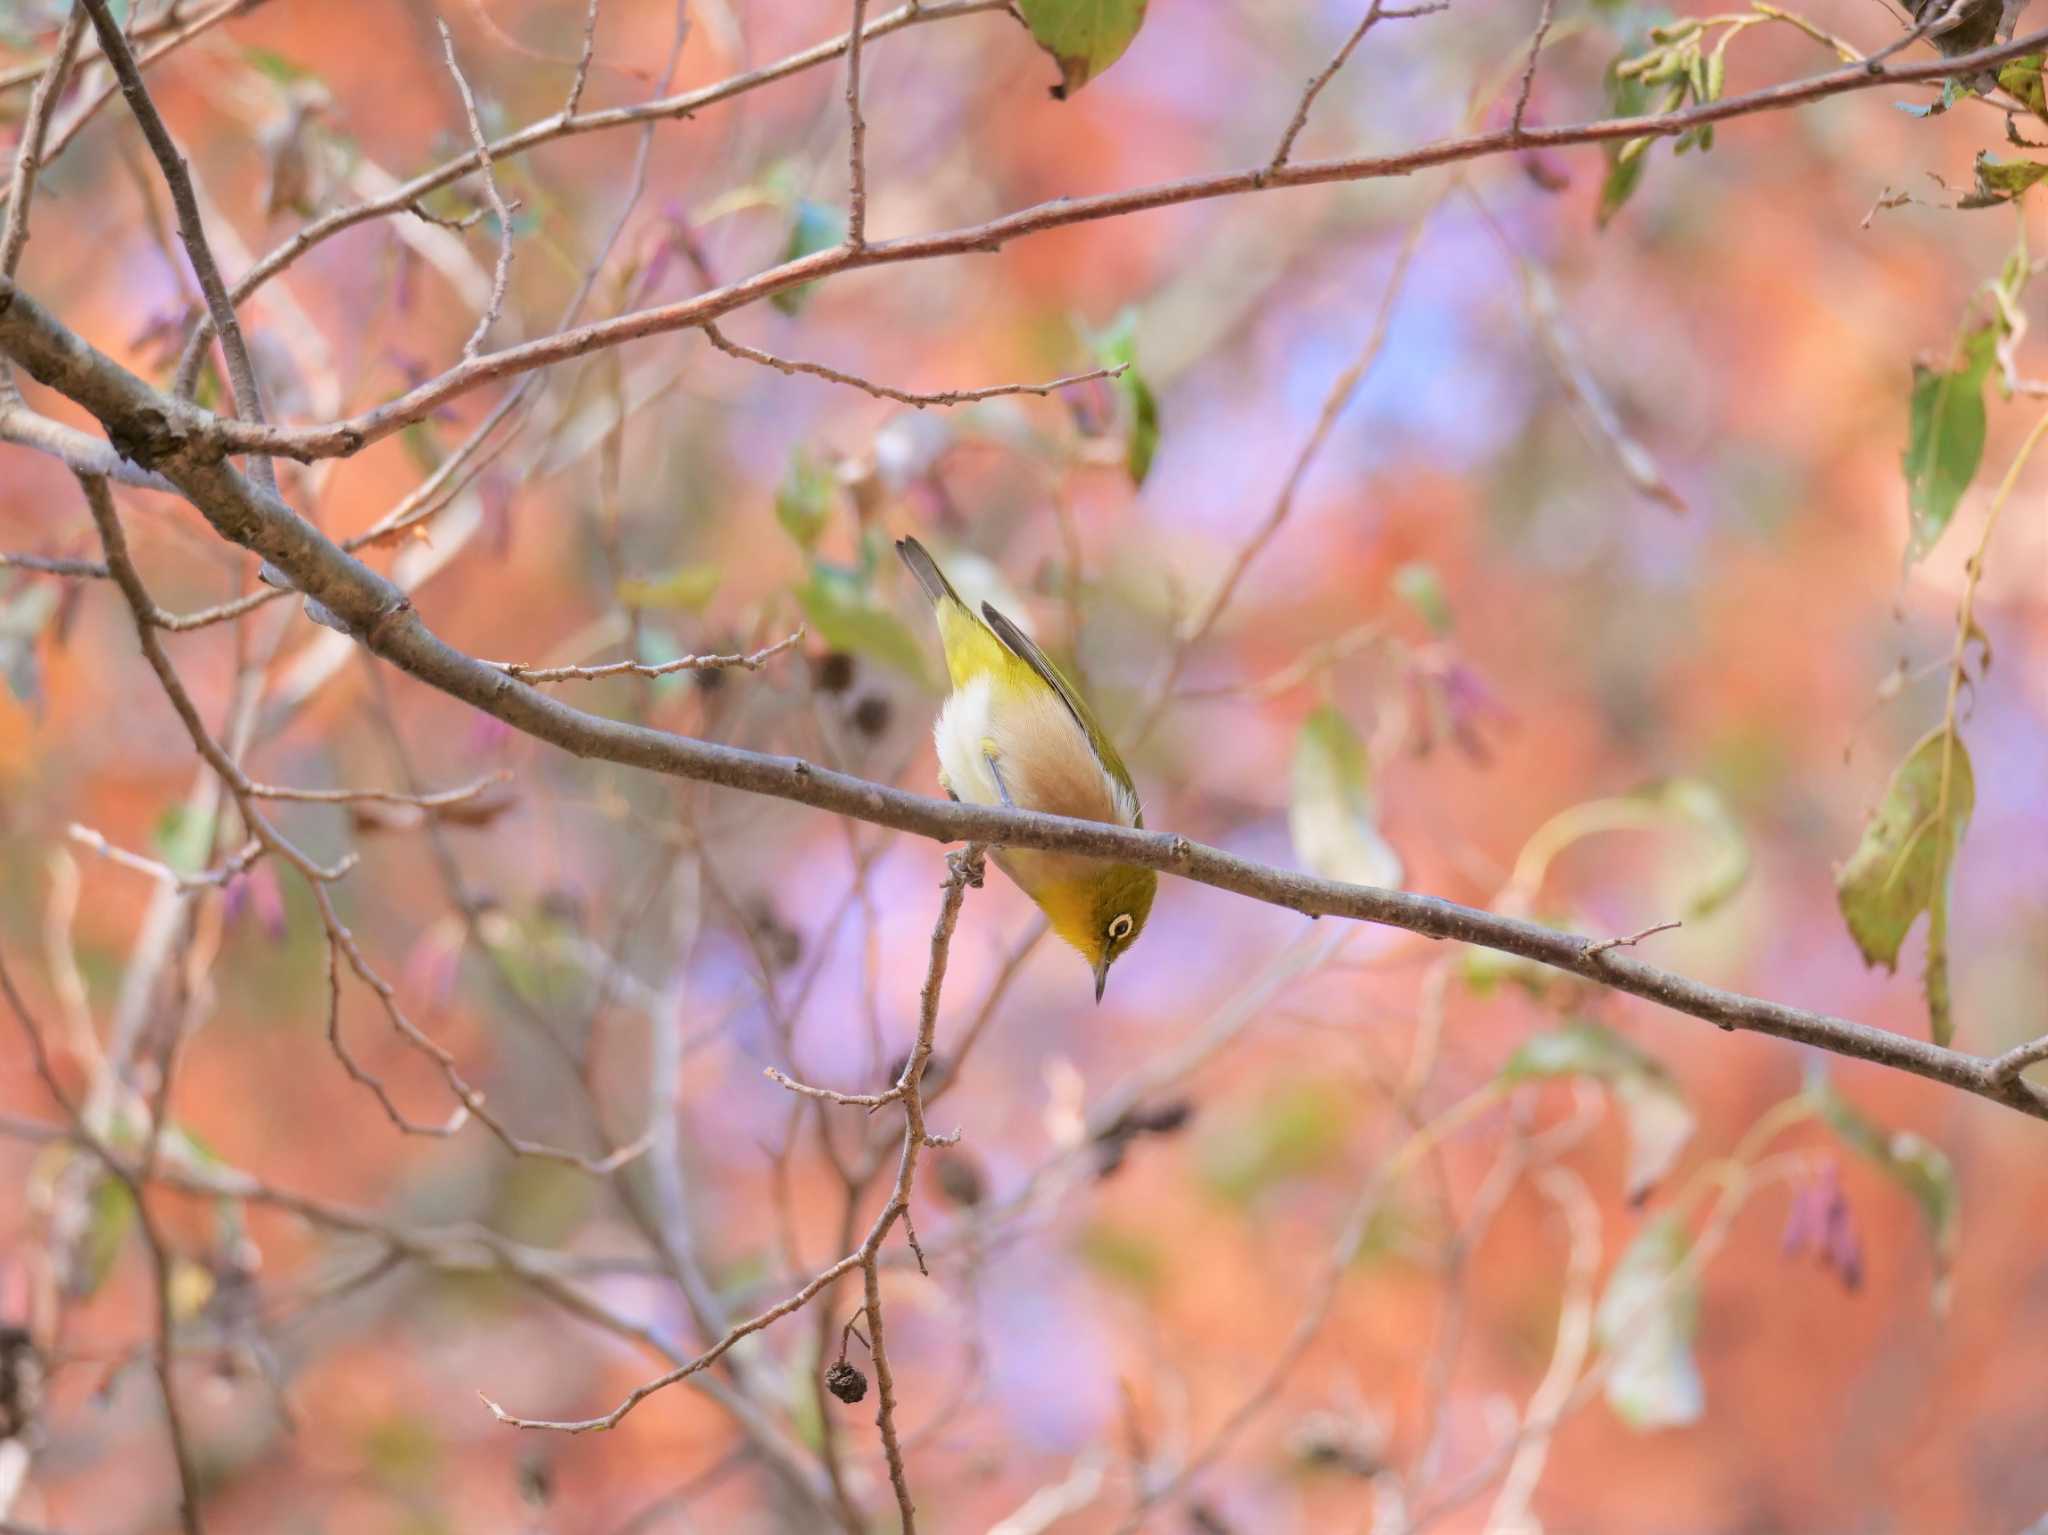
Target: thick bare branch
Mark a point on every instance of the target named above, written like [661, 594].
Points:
[566, 125]
[350, 436]
[191, 231]
[502, 273]
[175, 437]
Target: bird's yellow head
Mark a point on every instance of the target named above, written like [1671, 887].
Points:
[1101, 912]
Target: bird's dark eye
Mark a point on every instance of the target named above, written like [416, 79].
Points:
[1120, 927]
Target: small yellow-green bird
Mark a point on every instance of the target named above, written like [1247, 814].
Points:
[1014, 732]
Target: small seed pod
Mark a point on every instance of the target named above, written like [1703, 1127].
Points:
[832, 672]
[959, 1178]
[846, 1382]
[871, 715]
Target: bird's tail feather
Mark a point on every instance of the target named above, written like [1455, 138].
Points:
[927, 571]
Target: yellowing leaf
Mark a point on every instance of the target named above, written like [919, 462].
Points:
[1646, 1321]
[803, 501]
[1084, 37]
[687, 587]
[1902, 866]
[1331, 815]
[2021, 79]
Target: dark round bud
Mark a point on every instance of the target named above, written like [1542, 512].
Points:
[959, 1178]
[560, 903]
[871, 715]
[1164, 1118]
[709, 679]
[832, 672]
[846, 1382]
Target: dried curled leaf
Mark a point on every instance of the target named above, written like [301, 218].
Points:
[2001, 181]
[1901, 868]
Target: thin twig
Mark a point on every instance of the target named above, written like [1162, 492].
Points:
[856, 138]
[1607, 945]
[1342, 388]
[548, 130]
[1357, 1226]
[583, 58]
[436, 800]
[28, 157]
[378, 612]
[502, 273]
[48, 565]
[226, 874]
[1528, 84]
[787, 365]
[340, 438]
[751, 661]
[189, 1487]
[1375, 13]
[248, 401]
[964, 870]
[1567, 1190]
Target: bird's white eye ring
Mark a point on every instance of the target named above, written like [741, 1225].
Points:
[1120, 927]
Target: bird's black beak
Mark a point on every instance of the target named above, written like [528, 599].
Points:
[1101, 977]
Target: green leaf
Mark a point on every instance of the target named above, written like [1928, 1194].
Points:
[1331, 812]
[840, 613]
[1646, 1321]
[817, 226]
[1084, 37]
[275, 66]
[688, 588]
[1653, 1111]
[1945, 438]
[1918, 1166]
[2000, 181]
[1627, 96]
[1118, 346]
[1418, 585]
[110, 1217]
[183, 840]
[803, 501]
[1903, 864]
